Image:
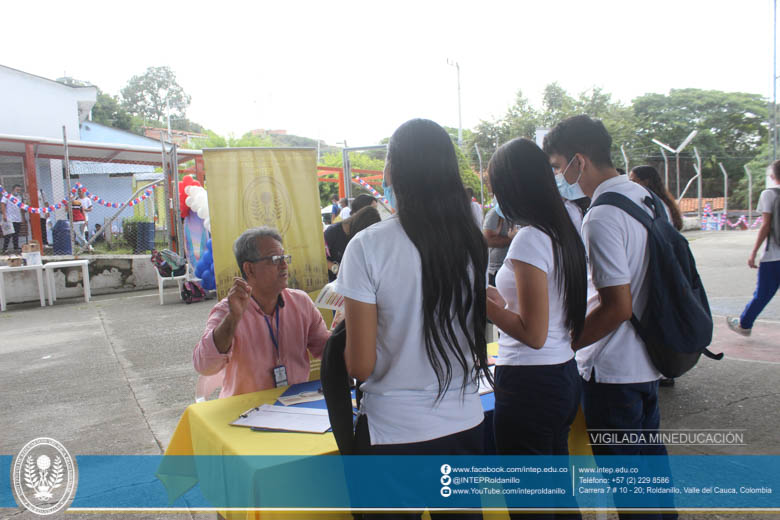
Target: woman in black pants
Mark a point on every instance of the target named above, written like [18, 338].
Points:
[415, 308]
[538, 305]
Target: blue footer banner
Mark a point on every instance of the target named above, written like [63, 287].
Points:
[399, 482]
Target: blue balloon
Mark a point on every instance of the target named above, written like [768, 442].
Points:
[199, 268]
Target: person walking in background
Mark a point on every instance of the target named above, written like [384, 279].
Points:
[334, 208]
[345, 209]
[12, 214]
[86, 207]
[539, 306]
[79, 223]
[648, 177]
[769, 266]
[414, 288]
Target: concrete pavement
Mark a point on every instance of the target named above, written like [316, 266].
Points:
[113, 376]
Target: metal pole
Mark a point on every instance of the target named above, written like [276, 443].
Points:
[677, 158]
[347, 174]
[625, 157]
[725, 190]
[176, 209]
[666, 168]
[750, 194]
[688, 185]
[774, 81]
[166, 192]
[481, 178]
[698, 182]
[67, 187]
[460, 122]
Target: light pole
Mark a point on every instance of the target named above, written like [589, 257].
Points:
[460, 124]
[750, 194]
[481, 179]
[676, 152]
[725, 190]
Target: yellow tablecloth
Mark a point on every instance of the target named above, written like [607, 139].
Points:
[204, 429]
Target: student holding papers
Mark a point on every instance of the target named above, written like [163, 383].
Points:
[261, 332]
[538, 305]
[414, 288]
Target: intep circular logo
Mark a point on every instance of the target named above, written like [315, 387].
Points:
[44, 476]
[267, 203]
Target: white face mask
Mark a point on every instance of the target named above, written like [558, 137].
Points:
[569, 191]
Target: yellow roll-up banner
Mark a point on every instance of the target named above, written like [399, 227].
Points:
[273, 187]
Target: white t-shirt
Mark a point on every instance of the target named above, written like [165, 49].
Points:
[533, 247]
[345, 212]
[12, 211]
[616, 245]
[766, 204]
[86, 204]
[382, 266]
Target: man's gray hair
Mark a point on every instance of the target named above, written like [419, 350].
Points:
[245, 246]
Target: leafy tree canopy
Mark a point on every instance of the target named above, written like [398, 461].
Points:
[151, 94]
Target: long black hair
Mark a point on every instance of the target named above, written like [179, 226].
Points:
[648, 177]
[524, 185]
[436, 216]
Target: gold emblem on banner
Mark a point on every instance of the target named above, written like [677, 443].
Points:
[267, 203]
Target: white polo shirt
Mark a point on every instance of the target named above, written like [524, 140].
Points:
[765, 204]
[382, 266]
[616, 245]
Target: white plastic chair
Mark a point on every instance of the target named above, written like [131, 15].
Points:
[187, 276]
[206, 385]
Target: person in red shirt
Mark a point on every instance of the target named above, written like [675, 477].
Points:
[263, 332]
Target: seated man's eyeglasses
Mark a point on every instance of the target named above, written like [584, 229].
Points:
[276, 259]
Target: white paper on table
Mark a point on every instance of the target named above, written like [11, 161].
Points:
[303, 397]
[483, 385]
[329, 298]
[269, 417]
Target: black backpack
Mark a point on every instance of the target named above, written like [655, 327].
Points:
[336, 390]
[676, 326]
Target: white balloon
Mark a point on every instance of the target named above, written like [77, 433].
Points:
[188, 201]
[207, 224]
[203, 213]
[187, 189]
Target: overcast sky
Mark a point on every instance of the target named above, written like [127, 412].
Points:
[356, 70]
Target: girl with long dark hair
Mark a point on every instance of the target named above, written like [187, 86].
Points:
[415, 305]
[538, 305]
[648, 177]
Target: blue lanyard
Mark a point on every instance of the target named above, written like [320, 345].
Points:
[274, 338]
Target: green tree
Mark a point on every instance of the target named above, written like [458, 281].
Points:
[731, 127]
[214, 140]
[151, 94]
[557, 105]
[109, 111]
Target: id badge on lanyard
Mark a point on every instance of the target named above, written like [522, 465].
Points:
[280, 376]
[279, 371]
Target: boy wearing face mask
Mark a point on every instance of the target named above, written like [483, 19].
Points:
[616, 369]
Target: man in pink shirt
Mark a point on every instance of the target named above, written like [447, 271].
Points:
[261, 332]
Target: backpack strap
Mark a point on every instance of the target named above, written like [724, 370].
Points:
[622, 202]
[619, 200]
